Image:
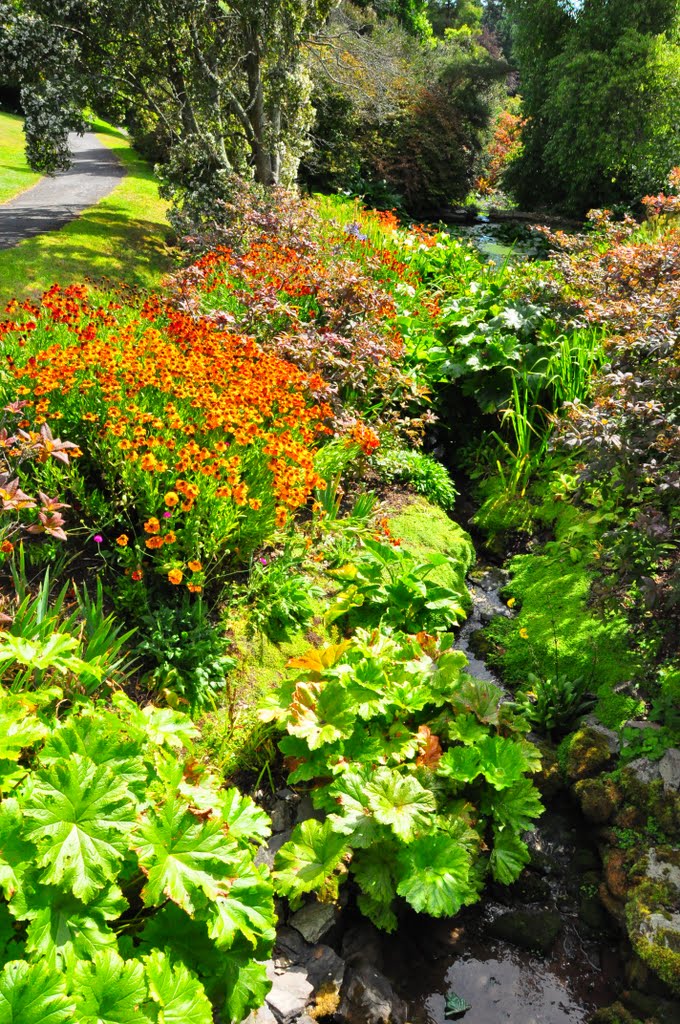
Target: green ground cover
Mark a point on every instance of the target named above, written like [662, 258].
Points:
[15, 174]
[124, 239]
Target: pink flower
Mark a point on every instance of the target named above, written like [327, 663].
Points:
[166, 515]
[98, 539]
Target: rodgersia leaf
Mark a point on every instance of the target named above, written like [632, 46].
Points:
[247, 985]
[502, 761]
[245, 821]
[179, 995]
[15, 853]
[33, 994]
[373, 871]
[243, 908]
[434, 875]
[63, 930]
[400, 802]
[88, 735]
[183, 856]
[508, 857]
[462, 764]
[514, 807]
[110, 990]
[78, 814]
[320, 713]
[309, 859]
[381, 914]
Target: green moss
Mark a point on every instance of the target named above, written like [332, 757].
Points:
[586, 753]
[556, 633]
[424, 530]
[660, 952]
[599, 799]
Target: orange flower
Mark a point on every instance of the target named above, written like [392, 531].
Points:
[255, 504]
[152, 525]
[154, 542]
[170, 537]
[280, 518]
[175, 576]
[195, 565]
[122, 541]
[171, 499]
[194, 588]
[7, 547]
[137, 575]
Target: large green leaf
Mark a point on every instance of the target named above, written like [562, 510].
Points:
[78, 815]
[508, 857]
[246, 984]
[245, 821]
[434, 875]
[243, 907]
[15, 853]
[320, 713]
[467, 729]
[381, 914]
[184, 857]
[88, 735]
[373, 871]
[62, 929]
[502, 761]
[400, 802]
[309, 859]
[110, 990]
[462, 764]
[11, 946]
[515, 807]
[33, 994]
[179, 995]
[161, 727]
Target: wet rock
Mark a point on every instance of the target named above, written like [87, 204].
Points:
[653, 924]
[610, 737]
[598, 798]
[289, 994]
[315, 920]
[363, 942]
[533, 930]
[616, 873]
[306, 809]
[368, 998]
[585, 859]
[669, 769]
[267, 853]
[530, 888]
[592, 913]
[587, 753]
[549, 777]
[480, 645]
[614, 907]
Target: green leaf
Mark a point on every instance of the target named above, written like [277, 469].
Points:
[78, 816]
[381, 914]
[110, 990]
[373, 871]
[515, 806]
[309, 859]
[184, 857]
[480, 698]
[62, 929]
[88, 735]
[455, 1006]
[508, 857]
[400, 802]
[11, 946]
[467, 729]
[320, 713]
[161, 727]
[180, 996]
[245, 821]
[462, 764]
[247, 985]
[433, 874]
[244, 908]
[33, 994]
[15, 853]
[502, 761]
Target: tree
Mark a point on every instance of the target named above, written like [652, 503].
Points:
[223, 81]
[601, 88]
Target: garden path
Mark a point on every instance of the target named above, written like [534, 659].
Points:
[60, 198]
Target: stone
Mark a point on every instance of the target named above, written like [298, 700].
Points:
[325, 969]
[610, 737]
[643, 770]
[306, 810]
[262, 1016]
[363, 942]
[530, 888]
[314, 920]
[669, 769]
[291, 947]
[266, 854]
[599, 799]
[289, 994]
[368, 998]
[661, 870]
[616, 873]
[592, 913]
[282, 815]
[587, 753]
[532, 930]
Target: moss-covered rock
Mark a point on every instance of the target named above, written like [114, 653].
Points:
[424, 529]
[549, 779]
[598, 798]
[644, 789]
[533, 930]
[653, 914]
[587, 753]
[614, 1014]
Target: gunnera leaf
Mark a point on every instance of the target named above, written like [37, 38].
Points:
[502, 761]
[309, 859]
[79, 816]
[508, 857]
[399, 802]
[178, 993]
[433, 875]
[63, 930]
[110, 990]
[243, 908]
[34, 994]
[515, 806]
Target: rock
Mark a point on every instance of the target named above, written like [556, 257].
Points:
[669, 769]
[306, 809]
[616, 873]
[610, 737]
[587, 753]
[314, 920]
[659, 869]
[533, 930]
[653, 924]
[290, 992]
[614, 1014]
[592, 913]
[290, 947]
[530, 888]
[368, 998]
[282, 815]
[548, 779]
[615, 908]
[585, 859]
[267, 853]
[643, 770]
[599, 799]
[262, 1016]
[634, 724]
[363, 942]
[325, 969]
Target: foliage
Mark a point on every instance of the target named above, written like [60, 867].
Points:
[127, 870]
[553, 705]
[578, 63]
[386, 586]
[420, 471]
[17, 175]
[416, 766]
[281, 597]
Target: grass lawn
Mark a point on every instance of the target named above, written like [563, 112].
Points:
[15, 174]
[123, 239]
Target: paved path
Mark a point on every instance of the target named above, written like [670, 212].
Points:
[56, 200]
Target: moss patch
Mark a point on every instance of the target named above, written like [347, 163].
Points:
[425, 530]
[557, 634]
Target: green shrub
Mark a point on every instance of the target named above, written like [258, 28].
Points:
[420, 471]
